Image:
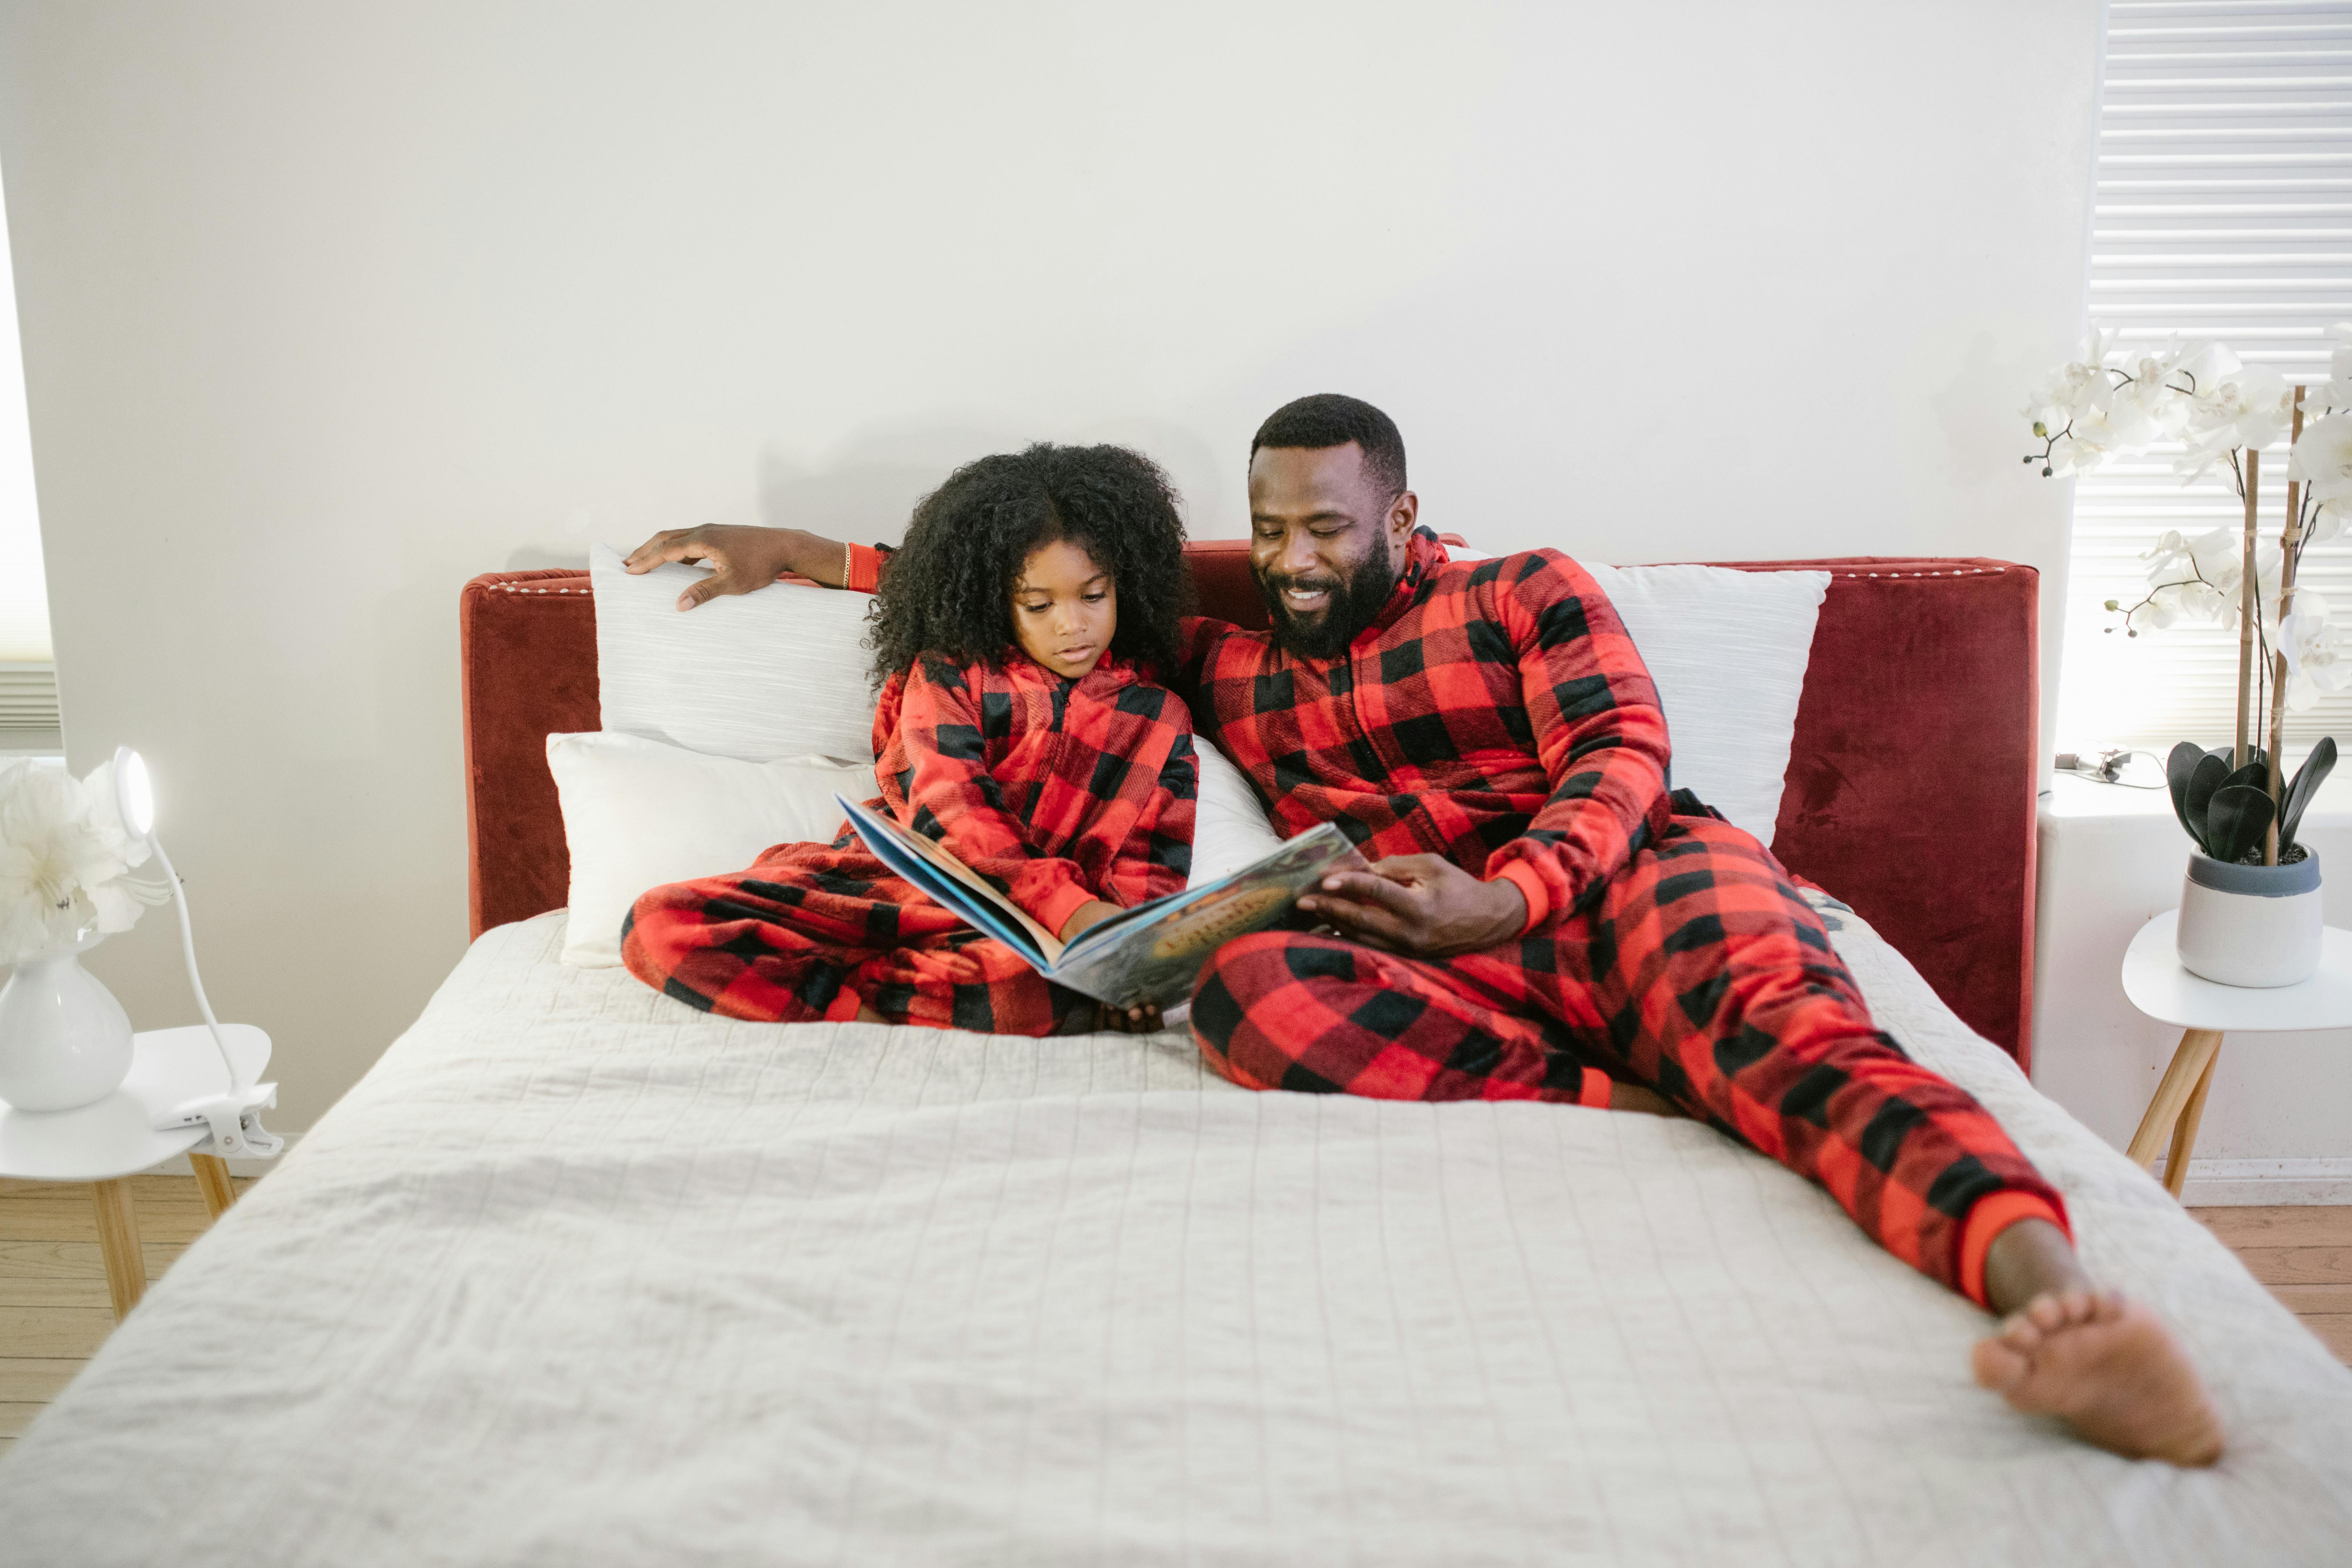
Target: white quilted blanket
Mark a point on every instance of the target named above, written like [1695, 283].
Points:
[579, 1277]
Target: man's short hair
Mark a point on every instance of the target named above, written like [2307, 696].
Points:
[1334, 419]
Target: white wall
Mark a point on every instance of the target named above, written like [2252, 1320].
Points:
[24, 607]
[328, 308]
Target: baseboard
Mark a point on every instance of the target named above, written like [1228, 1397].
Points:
[2241, 1183]
[177, 1165]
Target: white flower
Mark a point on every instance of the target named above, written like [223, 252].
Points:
[2328, 520]
[2317, 660]
[2322, 460]
[50, 858]
[2153, 405]
[2173, 602]
[2089, 442]
[64, 860]
[2195, 369]
[2168, 550]
[2248, 407]
[2336, 392]
[2071, 390]
[2200, 579]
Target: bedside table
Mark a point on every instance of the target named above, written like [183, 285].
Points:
[115, 1138]
[2159, 987]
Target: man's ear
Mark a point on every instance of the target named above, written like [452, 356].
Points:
[1403, 512]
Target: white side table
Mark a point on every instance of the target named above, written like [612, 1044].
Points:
[116, 1138]
[2159, 987]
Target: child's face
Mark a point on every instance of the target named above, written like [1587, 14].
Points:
[1064, 608]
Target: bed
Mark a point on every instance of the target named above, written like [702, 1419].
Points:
[577, 1275]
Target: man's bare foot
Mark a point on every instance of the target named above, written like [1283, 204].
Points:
[1634, 1097]
[866, 1014]
[2109, 1368]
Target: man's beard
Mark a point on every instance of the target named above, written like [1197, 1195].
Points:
[1356, 602]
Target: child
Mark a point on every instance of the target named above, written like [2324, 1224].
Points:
[1013, 635]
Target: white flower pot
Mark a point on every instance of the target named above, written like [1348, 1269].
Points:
[2256, 926]
[65, 1041]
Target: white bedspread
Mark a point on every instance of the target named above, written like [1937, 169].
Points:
[578, 1276]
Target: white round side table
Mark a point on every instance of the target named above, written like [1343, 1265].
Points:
[116, 1138]
[2159, 987]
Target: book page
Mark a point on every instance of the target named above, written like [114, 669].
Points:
[1155, 958]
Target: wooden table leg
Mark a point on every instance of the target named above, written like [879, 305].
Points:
[212, 1180]
[2184, 1132]
[2180, 1079]
[118, 1242]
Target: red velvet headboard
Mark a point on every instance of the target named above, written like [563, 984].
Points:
[1911, 784]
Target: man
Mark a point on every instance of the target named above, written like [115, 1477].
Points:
[1543, 920]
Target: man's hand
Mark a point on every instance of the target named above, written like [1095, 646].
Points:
[742, 559]
[1419, 904]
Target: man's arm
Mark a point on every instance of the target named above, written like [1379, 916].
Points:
[1598, 731]
[743, 560]
[1602, 738]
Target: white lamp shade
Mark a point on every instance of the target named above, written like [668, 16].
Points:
[134, 793]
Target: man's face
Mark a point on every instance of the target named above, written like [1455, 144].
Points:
[1325, 543]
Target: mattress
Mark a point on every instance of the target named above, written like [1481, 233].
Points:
[579, 1276]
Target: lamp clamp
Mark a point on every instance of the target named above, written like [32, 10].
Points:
[235, 1119]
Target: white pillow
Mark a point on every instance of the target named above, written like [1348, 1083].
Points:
[1729, 650]
[778, 673]
[638, 814]
[1230, 829]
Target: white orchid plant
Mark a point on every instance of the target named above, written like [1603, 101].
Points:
[65, 861]
[2223, 412]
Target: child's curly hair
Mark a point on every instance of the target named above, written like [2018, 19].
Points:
[947, 597]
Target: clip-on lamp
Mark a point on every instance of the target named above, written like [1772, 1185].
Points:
[235, 1117]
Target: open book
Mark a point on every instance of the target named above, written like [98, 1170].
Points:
[1148, 954]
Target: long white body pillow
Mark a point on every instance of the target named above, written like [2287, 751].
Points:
[638, 814]
[1729, 650]
[779, 673]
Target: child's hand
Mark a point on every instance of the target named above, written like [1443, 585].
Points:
[1092, 913]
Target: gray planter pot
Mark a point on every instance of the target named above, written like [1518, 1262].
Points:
[2257, 926]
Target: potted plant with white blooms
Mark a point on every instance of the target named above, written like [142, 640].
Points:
[2250, 902]
[65, 887]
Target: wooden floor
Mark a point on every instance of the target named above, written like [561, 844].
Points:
[54, 1314]
[2304, 1255]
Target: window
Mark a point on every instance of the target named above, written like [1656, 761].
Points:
[2223, 210]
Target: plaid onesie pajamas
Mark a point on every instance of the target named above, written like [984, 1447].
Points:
[1055, 791]
[1497, 715]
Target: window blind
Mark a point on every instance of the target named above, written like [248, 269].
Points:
[2223, 210]
[28, 698]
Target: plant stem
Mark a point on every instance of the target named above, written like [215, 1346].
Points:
[2290, 547]
[2249, 611]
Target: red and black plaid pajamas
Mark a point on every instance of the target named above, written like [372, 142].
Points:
[1497, 715]
[1057, 792]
